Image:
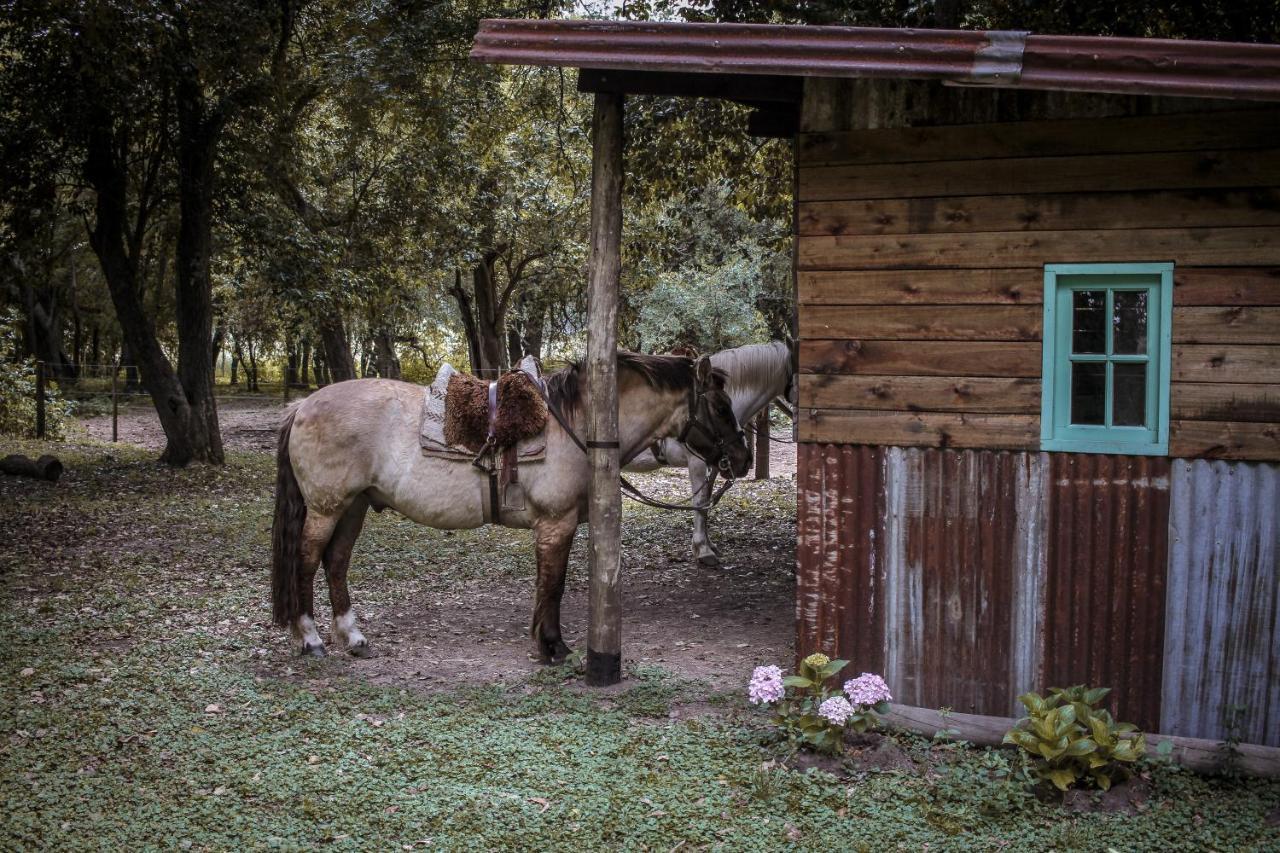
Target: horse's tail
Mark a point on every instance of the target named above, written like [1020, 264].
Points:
[286, 535]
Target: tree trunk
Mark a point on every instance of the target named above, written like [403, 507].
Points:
[95, 346]
[388, 361]
[197, 145]
[514, 345]
[235, 365]
[106, 169]
[306, 359]
[337, 350]
[489, 319]
[467, 312]
[532, 327]
[77, 328]
[251, 374]
[322, 372]
[219, 338]
[364, 360]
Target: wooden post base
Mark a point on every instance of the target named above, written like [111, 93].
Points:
[603, 668]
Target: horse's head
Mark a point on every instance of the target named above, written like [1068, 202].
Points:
[712, 432]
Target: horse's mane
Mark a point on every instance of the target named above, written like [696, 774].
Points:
[663, 372]
[753, 367]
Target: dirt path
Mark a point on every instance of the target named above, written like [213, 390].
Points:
[248, 423]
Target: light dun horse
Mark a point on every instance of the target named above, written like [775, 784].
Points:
[355, 444]
[756, 375]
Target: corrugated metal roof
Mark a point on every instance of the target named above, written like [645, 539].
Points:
[972, 57]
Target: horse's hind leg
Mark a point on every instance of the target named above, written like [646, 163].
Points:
[337, 557]
[316, 532]
[554, 541]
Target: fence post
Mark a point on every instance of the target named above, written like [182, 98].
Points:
[40, 399]
[762, 444]
[115, 402]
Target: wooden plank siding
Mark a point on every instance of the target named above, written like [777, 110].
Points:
[1113, 173]
[1137, 134]
[1251, 246]
[985, 394]
[919, 287]
[920, 358]
[919, 272]
[1039, 212]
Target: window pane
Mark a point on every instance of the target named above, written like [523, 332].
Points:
[1088, 321]
[1088, 392]
[1129, 405]
[1129, 332]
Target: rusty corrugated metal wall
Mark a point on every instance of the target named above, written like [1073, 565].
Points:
[1222, 643]
[972, 576]
[956, 571]
[840, 586]
[1108, 552]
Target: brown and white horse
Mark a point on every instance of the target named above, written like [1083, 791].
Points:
[355, 444]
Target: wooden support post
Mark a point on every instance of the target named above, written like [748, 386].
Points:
[115, 403]
[40, 429]
[762, 444]
[604, 636]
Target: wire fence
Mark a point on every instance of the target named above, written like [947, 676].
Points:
[92, 388]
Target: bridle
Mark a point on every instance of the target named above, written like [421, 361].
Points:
[697, 399]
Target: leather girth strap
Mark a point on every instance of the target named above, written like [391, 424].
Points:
[487, 460]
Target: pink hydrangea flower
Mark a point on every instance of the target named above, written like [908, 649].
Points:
[766, 685]
[836, 710]
[867, 690]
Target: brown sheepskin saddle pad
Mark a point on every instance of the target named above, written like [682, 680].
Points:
[521, 414]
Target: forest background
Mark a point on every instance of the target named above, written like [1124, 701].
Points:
[212, 192]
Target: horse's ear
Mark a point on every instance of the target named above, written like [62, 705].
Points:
[702, 369]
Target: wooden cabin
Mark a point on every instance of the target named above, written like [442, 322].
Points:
[1038, 324]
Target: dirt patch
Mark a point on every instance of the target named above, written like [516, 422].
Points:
[248, 423]
[1129, 797]
[708, 625]
[877, 753]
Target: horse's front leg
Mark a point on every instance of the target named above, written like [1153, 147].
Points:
[702, 480]
[554, 539]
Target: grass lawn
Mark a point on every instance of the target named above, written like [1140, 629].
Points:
[146, 703]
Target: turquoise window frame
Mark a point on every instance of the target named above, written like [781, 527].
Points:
[1057, 433]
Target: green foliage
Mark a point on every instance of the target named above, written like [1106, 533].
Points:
[18, 393]
[702, 272]
[1071, 740]
[977, 784]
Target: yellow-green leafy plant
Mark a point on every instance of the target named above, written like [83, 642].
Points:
[1071, 740]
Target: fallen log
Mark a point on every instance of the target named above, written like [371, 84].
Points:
[45, 468]
[1205, 756]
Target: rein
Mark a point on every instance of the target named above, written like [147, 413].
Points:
[628, 488]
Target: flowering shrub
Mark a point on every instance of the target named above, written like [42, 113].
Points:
[766, 685]
[813, 716]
